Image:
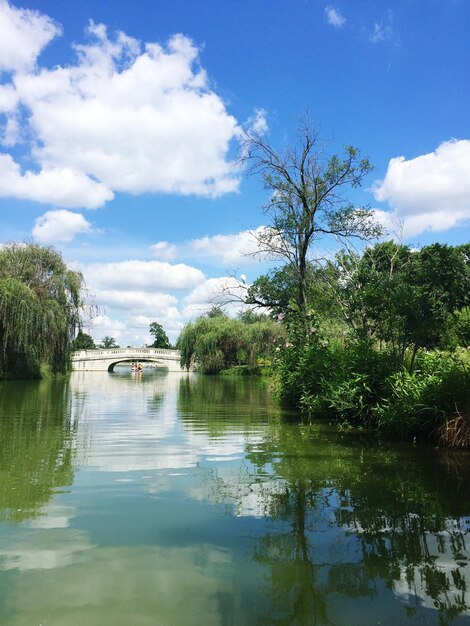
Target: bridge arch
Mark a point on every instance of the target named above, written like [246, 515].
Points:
[105, 360]
[158, 362]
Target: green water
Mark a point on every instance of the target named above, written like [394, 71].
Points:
[177, 500]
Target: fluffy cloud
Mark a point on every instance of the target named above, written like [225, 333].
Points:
[140, 301]
[334, 17]
[430, 192]
[146, 276]
[60, 225]
[231, 250]
[257, 123]
[164, 251]
[225, 290]
[103, 326]
[234, 250]
[62, 186]
[24, 34]
[8, 99]
[171, 323]
[131, 294]
[133, 328]
[122, 118]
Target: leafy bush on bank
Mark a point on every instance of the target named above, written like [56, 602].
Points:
[422, 401]
[359, 385]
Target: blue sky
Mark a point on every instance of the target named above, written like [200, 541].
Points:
[119, 126]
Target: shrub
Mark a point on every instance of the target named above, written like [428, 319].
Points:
[360, 385]
[420, 402]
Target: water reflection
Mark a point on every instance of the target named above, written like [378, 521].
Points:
[351, 519]
[37, 445]
[188, 500]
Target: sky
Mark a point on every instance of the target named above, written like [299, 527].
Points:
[120, 127]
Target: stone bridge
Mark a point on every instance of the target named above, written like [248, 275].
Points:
[105, 360]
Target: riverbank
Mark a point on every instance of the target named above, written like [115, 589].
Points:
[360, 386]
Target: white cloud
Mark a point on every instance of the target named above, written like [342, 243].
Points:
[24, 34]
[430, 192]
[170, 319]
[60, 225]
[134, 329]
[122, 118]
[214, 291]
[61, 186]
[230, 250]
[257, 123]
[334, 17]
[164, 251]
[131, 294]
[144, 302]
[103, 326]
[147, 276]
[8, 99]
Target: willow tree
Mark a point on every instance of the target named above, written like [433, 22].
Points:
[40, 302]
[215, 342]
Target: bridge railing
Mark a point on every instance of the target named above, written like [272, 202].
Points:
[111, 352]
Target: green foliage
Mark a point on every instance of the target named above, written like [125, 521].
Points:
[217, 342]
[108, 342]
[457, 332]
[83, 341]
[404, 298]
[422, 400]
[277, 292]
[359, 385]
[160, 337]
[333, 381]
[40, 302]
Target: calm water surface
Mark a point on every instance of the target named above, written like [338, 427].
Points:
[177, 500]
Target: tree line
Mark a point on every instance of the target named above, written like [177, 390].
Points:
[375, 336]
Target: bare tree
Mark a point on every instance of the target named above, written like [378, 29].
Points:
[308, 198]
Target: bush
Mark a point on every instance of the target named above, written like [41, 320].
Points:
[422, 401]
[359, 385]
[333, 381]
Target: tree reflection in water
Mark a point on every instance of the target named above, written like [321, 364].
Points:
[346, 517]
[37, 445]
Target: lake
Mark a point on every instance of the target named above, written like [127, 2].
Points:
[172, 499]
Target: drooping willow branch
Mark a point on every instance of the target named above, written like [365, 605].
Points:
[40, 303]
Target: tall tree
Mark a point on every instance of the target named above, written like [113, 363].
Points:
[160, 337]
[308, 199]
[108, 343]
[83, 341]
[40, 304]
